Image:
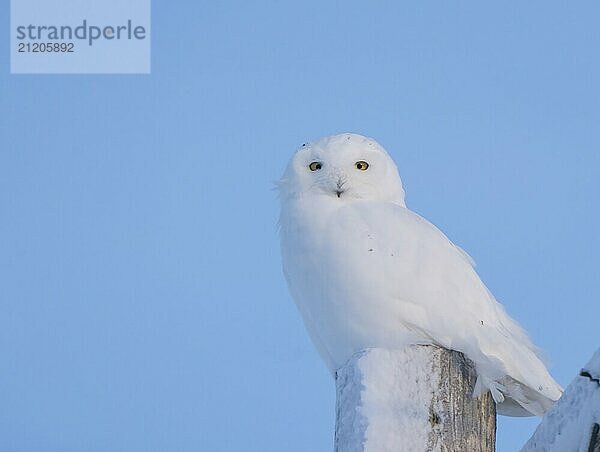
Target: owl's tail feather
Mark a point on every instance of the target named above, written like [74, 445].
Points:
[513, 398]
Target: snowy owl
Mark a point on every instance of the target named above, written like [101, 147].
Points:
[365, 272]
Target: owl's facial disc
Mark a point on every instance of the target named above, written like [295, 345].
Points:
[337, 178]
[343, 167]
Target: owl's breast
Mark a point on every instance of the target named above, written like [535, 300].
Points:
[341, 269]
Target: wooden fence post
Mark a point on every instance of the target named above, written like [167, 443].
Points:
[573, 422]
[417, 398]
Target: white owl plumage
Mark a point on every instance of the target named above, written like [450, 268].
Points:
[367, 272]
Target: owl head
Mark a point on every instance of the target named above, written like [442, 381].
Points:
[345, 168]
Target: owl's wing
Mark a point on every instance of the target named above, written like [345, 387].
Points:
[442, 296]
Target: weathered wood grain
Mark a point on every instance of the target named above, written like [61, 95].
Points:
[413, 399]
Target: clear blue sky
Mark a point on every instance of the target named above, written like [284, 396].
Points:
[142, 305]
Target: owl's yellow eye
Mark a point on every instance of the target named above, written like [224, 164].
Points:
[315, 166]
[361, 165]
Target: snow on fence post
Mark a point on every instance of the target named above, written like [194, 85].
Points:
[417, 398]
[573, 423]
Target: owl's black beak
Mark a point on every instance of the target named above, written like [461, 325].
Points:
[340, 188]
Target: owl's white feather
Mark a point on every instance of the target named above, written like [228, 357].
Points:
[366, 272]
